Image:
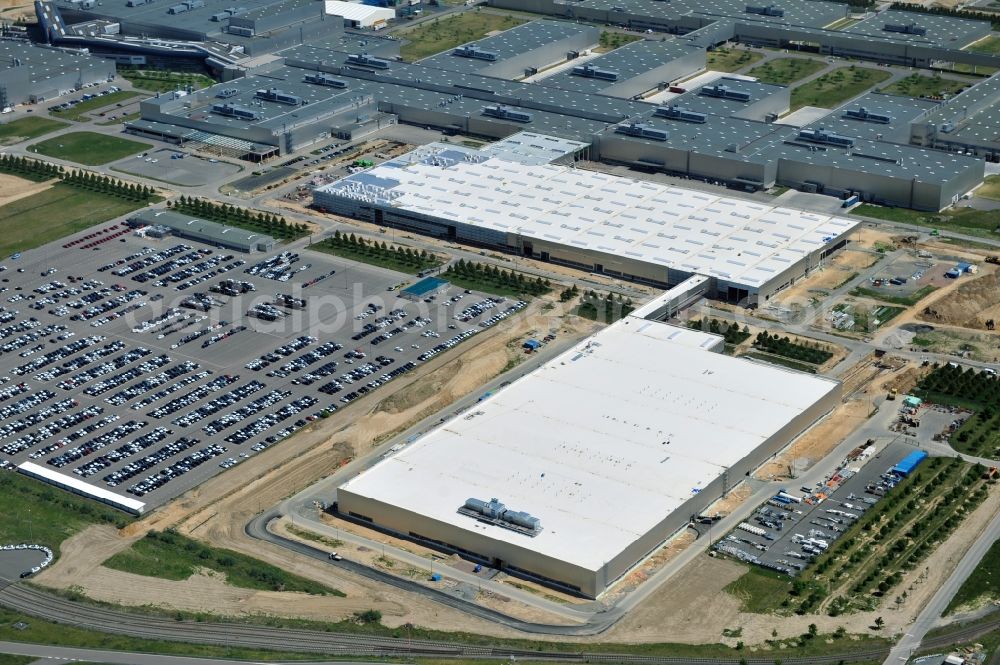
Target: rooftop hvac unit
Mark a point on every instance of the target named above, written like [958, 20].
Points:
[642, 131]
[177, 9]
[365, 60]
[861, 113]
[947, 128]
[240, 30]
[218, 18]
[496, 513]
[820, 135]
[722, 91]
[135, 3]
[506, 113]
[321, 78]
[765, 10]
[226, 93]
[680, 113]
[905, 28]
[473, 51]
[194, 4]
[591, 72]
[279, 96]
[234, 111]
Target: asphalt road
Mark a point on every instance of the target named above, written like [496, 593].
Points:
[132, 658]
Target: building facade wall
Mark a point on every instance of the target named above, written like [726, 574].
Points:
[666, 73]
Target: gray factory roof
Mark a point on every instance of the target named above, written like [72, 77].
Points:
[511, 43]
[796, 12]
[268, 10]
[716, 136]
[944, 31]
[41, 62]
[219, 232]
[694, 100]
[979, 126]
[878, 158]
[198, 19]
[901, 110]
[627, 62]
[532, 148]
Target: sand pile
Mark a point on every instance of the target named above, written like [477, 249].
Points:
[969, 306]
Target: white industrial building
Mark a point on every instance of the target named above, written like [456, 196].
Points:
[357, 15]
[598, 456]
[632, 229]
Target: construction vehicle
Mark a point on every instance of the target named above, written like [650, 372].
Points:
[991, 473]
[891, 394]
[993, 259]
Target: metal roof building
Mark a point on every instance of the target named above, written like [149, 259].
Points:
[30, 74]
[220, 235]
[943, 31]
[609, 447]
[628, 228]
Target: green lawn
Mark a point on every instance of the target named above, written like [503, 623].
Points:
[155, 80]
[982, 223]
[760, 591]
[11, 659]
[989, 45]
[26, 128]
[169, 555]
[54, 213]
[731, 60]
[440, 34]
[918, 85]
[836, 87]
[783, 71]
[990, 188]
[905, 301]
[88, 148]
[609, 41]
[39, 513]
[79, 111]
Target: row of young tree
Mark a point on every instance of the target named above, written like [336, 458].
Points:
[39, 170]
[360, 246]
[225, 213]
[606, 308]
[784, 346]
[967, 385]
[491, 275]
[730, 331]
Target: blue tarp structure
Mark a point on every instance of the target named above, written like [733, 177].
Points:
[532, 344]
[425, 287]
[906, 466]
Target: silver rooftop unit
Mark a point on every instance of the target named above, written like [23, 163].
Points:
[680, 113]
[496, 513]
[279, 96]
[863, 114]
[365, 60]
[642, 131]
[502, 112]
[474, 52]
[820, 135]
[591, 72]
[723, 91]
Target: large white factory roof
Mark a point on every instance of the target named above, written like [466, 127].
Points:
[601, 443]
[691, 231]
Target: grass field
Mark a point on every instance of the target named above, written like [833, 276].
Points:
[759, 590]
[11, 659]
[783, 71]
[918, 85]
[836, 87]
[990, 188]
[982, 223]
[439, 34]
[39, 513]
[989, 45]
[56, 212]
[23, 129]
[983, 585]
[169, 555]
[155, 80]
[905, 301]
[79, 111]
[88, 148]
[609, 41]
[731, 60]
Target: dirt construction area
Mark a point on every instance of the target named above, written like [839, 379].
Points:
[13, 188]
[970, 305]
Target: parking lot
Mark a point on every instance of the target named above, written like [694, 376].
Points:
[788, 531]
[165, 165]
[142, 367]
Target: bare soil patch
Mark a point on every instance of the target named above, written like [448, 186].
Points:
[13, 188]
[969, 305]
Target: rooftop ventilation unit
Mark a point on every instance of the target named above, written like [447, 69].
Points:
[820, 135]
[591, 72]
[680, 113]
[177, 9]
[765, 10]
[905, 28]
[722, 91]
[861, 113]
[506, 113]
[279, 96]
[320, 78]
[496, 513]
[642, 131]
[474, 52]
[135, 3]
[365, 60]
[234, 111]
[240, 30]
[226, 93]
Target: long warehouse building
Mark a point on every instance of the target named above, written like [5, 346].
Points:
[626, 228]
[573, 474]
